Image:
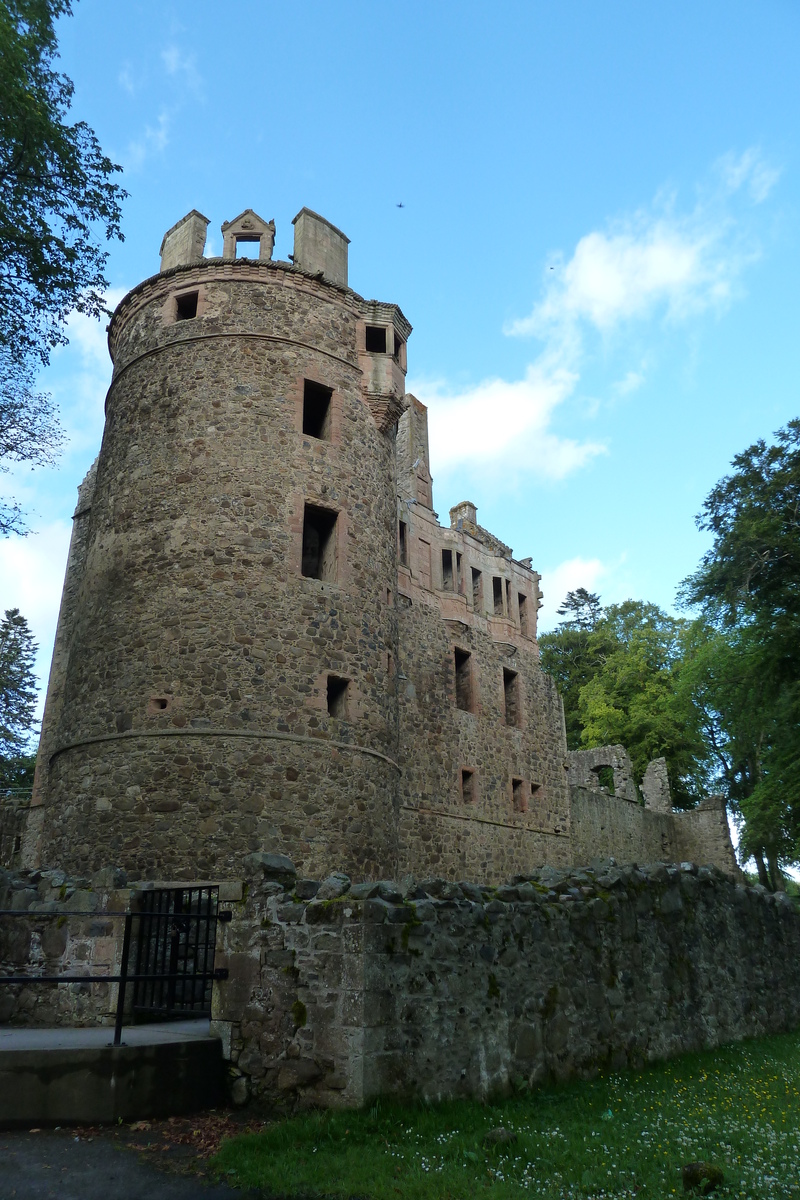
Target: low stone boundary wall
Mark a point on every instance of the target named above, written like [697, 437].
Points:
[340, 992]
[69, 943]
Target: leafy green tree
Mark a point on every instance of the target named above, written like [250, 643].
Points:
[16, 775]
[751, 574]
[582, 610]
[617, 669]
[566, 655]
[56, 192]
[17, 690]
[634, 699]
[745, 666]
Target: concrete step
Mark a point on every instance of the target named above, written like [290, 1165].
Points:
[59, 1076]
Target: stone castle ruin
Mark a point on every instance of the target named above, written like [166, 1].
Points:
[267, 639]
[276, 673]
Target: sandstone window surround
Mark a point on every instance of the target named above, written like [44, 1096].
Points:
[339, 697]
[477, 590]
[317, 410]
[464, 689]
[424, 563]
[402, 542]
[447, 571]
[248, 236]
[184, 305]
[497, 595]
[522, 608]
[375, 341]
[468, 783]
[320, 558]
[512, 707]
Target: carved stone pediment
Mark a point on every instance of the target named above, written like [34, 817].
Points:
[248, 227]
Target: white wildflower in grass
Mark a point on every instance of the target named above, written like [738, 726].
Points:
[615, 1138]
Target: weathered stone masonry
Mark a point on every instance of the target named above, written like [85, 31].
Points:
[266, 638]
[442, 989]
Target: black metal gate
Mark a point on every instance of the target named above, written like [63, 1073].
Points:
[177, 930]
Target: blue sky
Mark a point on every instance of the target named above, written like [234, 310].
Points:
[598, 251]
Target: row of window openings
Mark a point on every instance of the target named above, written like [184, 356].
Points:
[452, 581]
[519, 790]
[376, 341]
[465, 692]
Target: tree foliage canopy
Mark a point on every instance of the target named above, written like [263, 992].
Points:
[744, 667]
[17, 685]
[55, 188]
[719, 696]
[57, 195]
[617, 670]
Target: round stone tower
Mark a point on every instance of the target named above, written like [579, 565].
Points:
[223, 674]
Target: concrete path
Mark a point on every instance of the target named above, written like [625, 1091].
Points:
[97, 1036]
[67, 1165]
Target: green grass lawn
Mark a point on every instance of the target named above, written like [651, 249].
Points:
[621, 1135]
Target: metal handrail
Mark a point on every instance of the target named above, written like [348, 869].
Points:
[124, 977]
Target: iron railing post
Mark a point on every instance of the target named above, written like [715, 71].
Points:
[123, 973]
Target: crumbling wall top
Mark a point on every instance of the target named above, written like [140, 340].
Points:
[586, 766]
[464, 517]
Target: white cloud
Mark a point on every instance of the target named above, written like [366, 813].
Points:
[32, 570]
[658, 262]
[567, 577]
[501, 419]
[656, 259]
[90, 334]
[183, 66]
[126, 80]
[631, 382]
[751, 171]
[613, 277]
[154, 140]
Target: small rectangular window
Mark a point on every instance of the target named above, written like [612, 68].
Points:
[463, 668]
[511, 696]
[403, 540]
[186, 306]
[477, 590]
[248, 247]
[468, 790]
[447, 570]
[424, 564]
[518, 794]
[338, 696]
[522, 601]
[398, 350]
[319, 543]
[376, 339]
[459, 575]
[317, 410]
[497, 595]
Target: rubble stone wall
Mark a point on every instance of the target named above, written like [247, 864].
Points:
[494, 834]
[60, 926]
[13, 822]
[194, 725]
[603, 826]
[339, 993]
